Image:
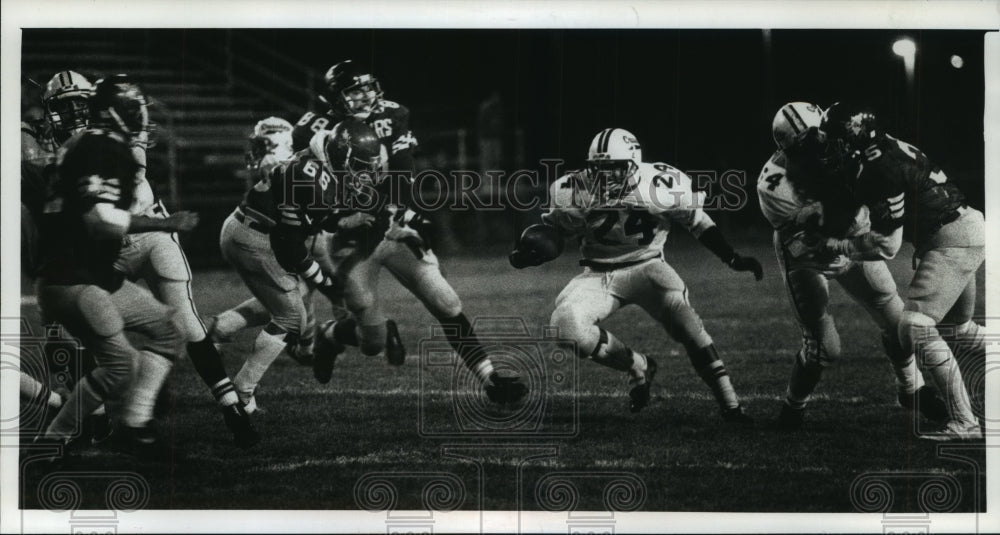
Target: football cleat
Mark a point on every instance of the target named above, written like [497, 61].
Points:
[395, 351]
[505, 390]
[639, 395]
[790, 419]
[954, 431]
[238, 422]
[325, 355]
[925, 400]
[142, 442]
[737, 416]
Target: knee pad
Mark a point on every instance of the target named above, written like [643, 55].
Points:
[164, 338]
[99, 313]
[372, 340]
[817, 352]
[918, 334]
[111, 379]
[445, 304]
[573, 330]
[290, 321]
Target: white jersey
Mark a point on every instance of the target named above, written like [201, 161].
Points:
[788, 211]
[634, 227]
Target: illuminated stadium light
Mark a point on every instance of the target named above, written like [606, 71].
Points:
[904, 48]
[957, 61]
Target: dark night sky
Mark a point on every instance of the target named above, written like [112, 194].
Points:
[698, 99]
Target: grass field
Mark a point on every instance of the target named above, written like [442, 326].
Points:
[378, 436]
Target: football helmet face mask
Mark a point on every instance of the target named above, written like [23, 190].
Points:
[65, 99]
[612, 162]
[270, 137]
[850, 129]
[350, 90]
[793, 122]
[119, 104]
[353, 147]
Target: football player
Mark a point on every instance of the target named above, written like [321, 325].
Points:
[621, 208]
[64, 100]
[288, 207]
[282, 301]
[81, 237]
[157, 258]
[790, 190]
[399, 238]
[909, 197]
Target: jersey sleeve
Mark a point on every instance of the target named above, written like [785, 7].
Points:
[889, 166]
[776, 196]
[307, 126]
[403, 141]
[668, 194]
[563, 213]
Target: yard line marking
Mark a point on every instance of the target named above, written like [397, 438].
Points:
[596, 394]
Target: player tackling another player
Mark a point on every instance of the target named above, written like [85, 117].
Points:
[621, 208]
[799, 203]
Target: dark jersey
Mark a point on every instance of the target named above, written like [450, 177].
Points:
[903, 188]
[391, 122]
[97, 167]
[299, 195]
[38, 168]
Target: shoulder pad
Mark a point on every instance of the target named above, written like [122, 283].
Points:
[390, 104]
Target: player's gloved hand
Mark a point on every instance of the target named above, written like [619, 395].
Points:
[537, 245]
[183, 221]
[522, 259]
[356, 221]
[747, 263]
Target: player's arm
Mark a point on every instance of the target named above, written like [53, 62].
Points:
[885, 236]
[541, 243]
[675, 200]
[292, 253]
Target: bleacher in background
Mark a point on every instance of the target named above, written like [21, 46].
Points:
[208, 88]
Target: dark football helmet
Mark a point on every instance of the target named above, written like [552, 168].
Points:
[65, 99]
[119, 104]
[850, 130]
[350, 90]
[352, 146]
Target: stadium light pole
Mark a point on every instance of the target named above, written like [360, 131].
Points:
[907, 49]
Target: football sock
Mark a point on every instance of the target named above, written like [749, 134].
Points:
[249, 313]
[208, 363]
[466, 344]
[613, 353]
[805, 376]
[942, 369]
[710, 368]
[37, 393]
[140, 399]
[904, 366]
[83, 400]
[268, 345]
[919, 332]
[637, 373]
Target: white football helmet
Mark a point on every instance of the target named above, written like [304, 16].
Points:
[793, 121]
[271, 137]
[612, 160]
[65, 100]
